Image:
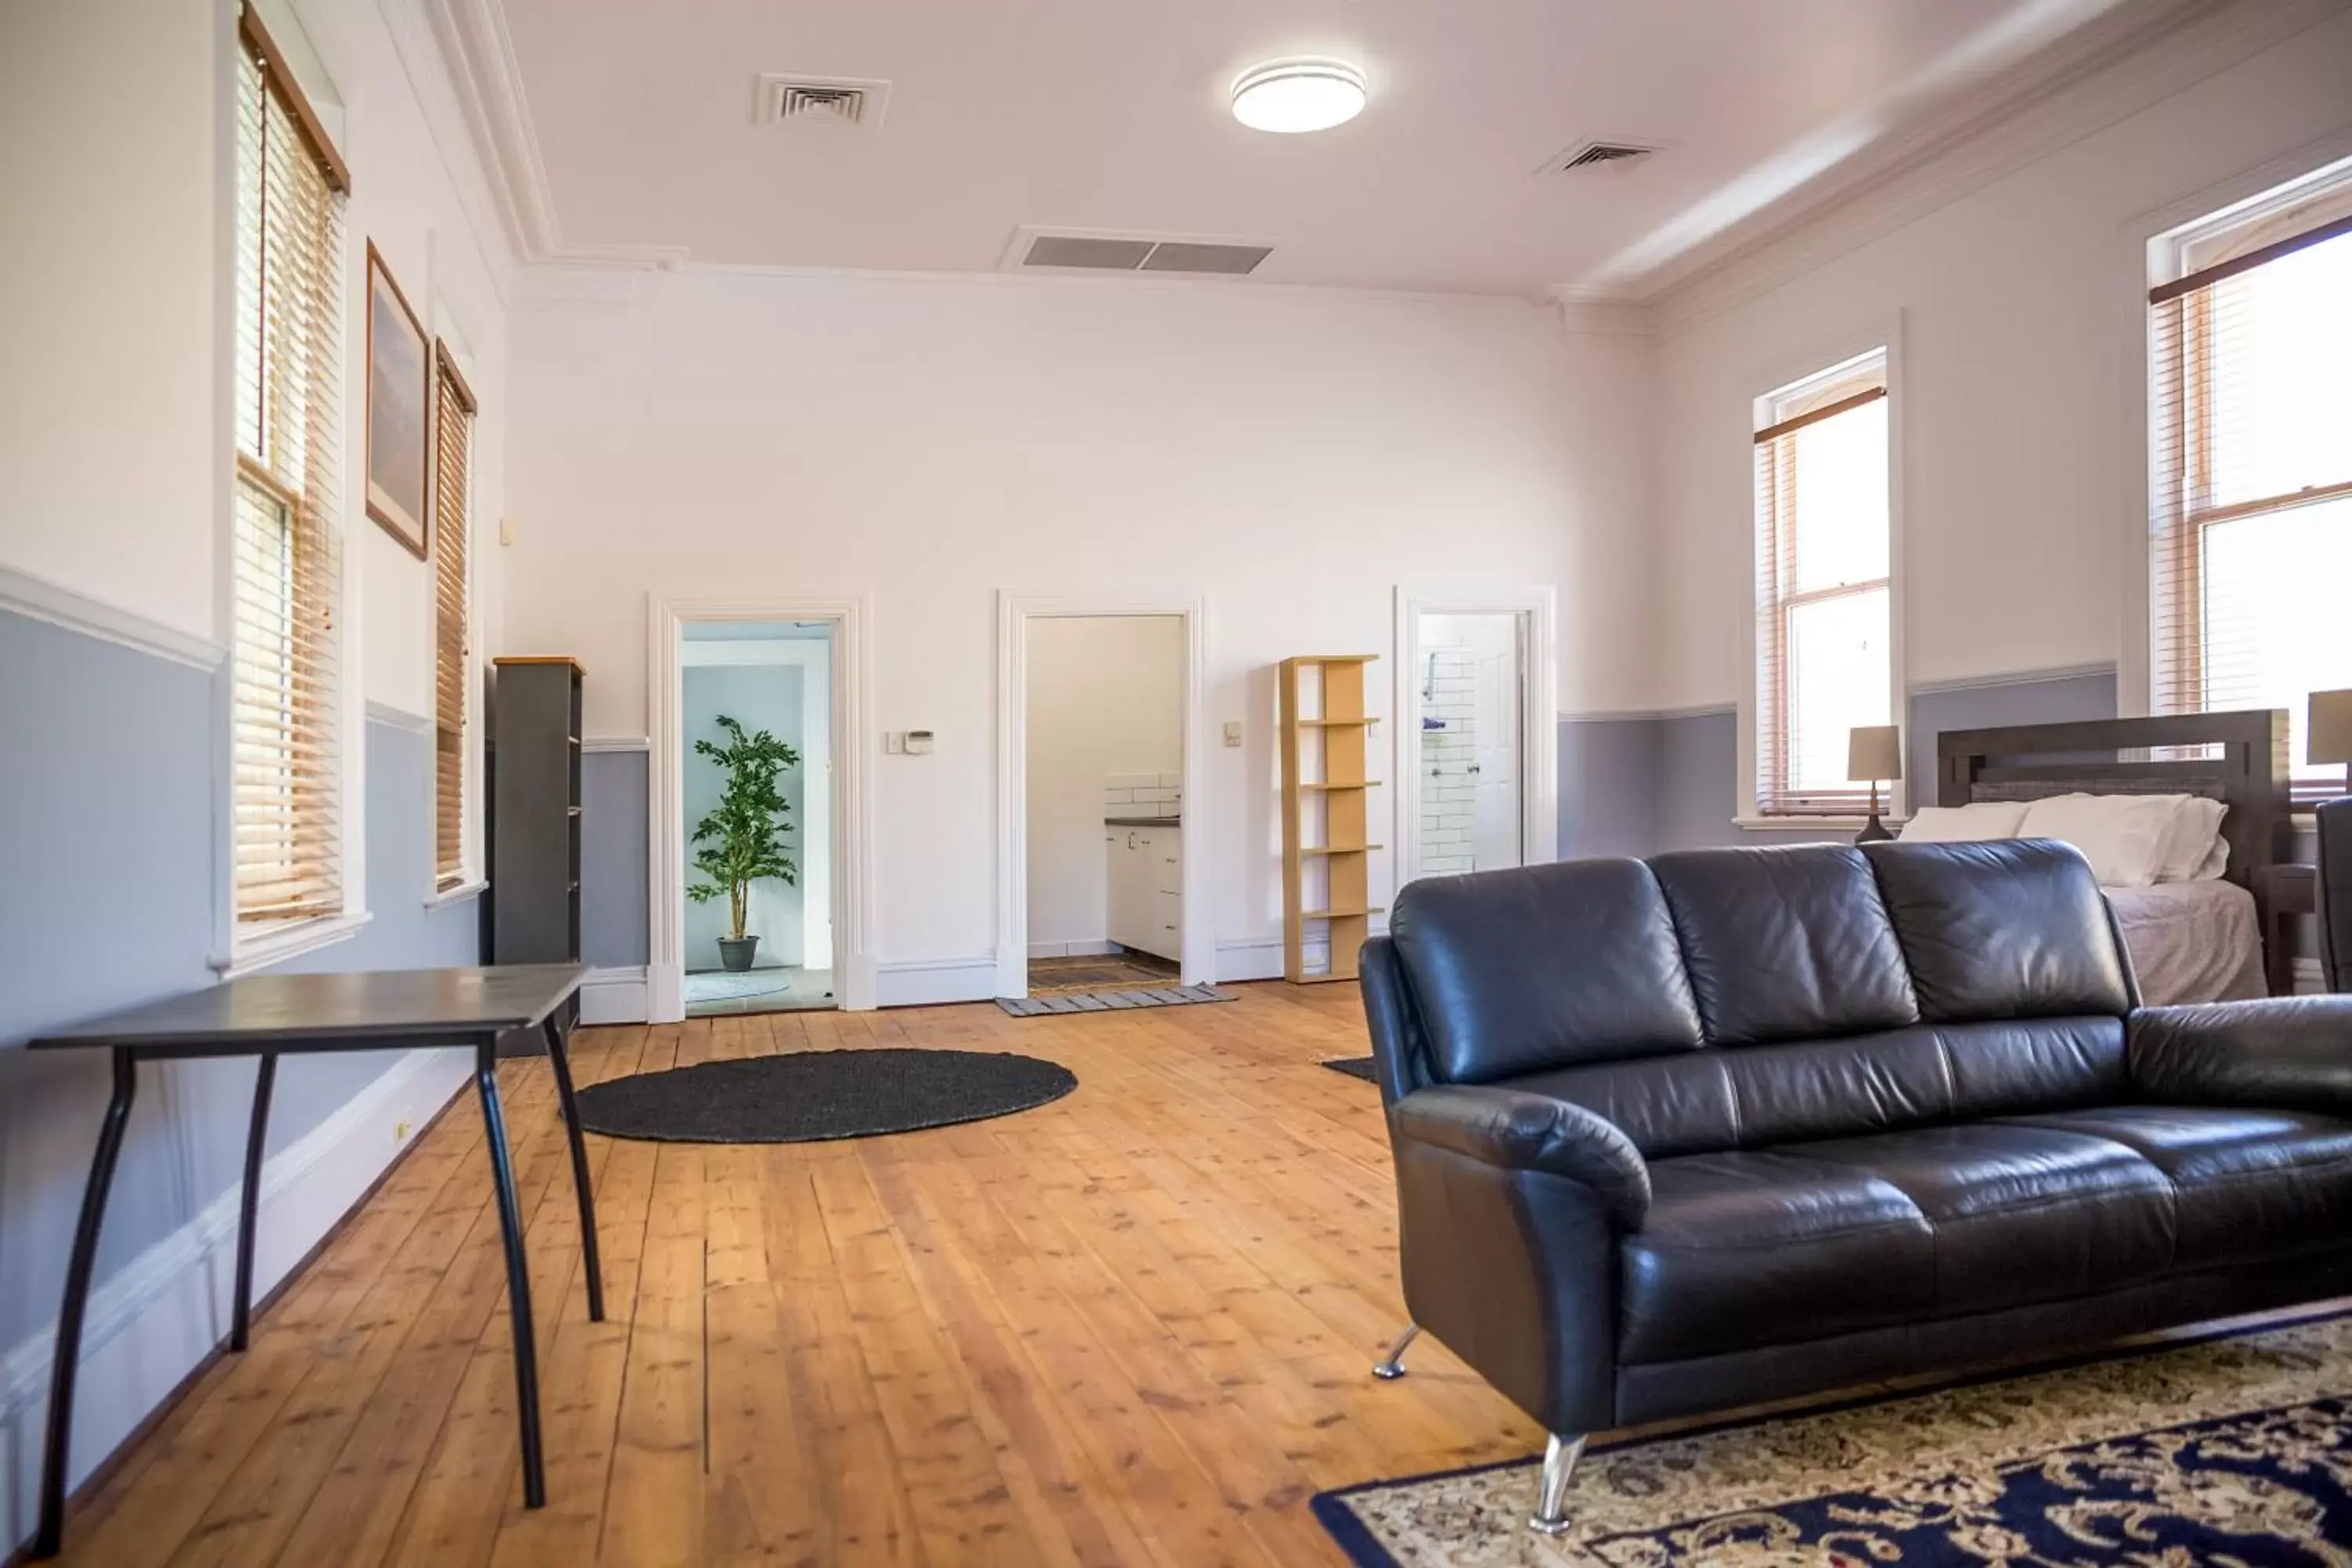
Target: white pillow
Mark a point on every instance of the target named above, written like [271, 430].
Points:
[1964, 824]
[2122, 836]
[2194, 851]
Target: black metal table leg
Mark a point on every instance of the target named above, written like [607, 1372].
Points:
[526, 1352]
[51, 1535]
[241, 1313]
[556, 1055]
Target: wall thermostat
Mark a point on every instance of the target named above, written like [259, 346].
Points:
[918, 741]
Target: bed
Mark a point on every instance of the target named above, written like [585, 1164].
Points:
[2189, 942]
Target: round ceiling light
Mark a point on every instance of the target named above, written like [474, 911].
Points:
[1291, 96]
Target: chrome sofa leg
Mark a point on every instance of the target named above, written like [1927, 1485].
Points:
[1552, 1493]
[1392, 1366]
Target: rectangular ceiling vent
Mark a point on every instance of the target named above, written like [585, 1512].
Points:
[1136, 253]
[1612, 157]
[845, 102]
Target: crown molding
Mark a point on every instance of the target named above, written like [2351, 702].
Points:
[432, 72]
[2048, 102]
[488, 84]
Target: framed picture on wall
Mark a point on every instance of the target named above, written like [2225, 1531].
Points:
[399, 407]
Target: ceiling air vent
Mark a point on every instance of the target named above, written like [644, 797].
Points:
[1134, 253]
[809, 100]
[1616, 157]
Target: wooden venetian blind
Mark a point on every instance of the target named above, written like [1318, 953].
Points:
[453, 434]
[2251, 475]
[285, 566]
[1823, 604]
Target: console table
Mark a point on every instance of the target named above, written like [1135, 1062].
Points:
[271, 1015]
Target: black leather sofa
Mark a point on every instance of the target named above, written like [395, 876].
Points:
[1727, 1126]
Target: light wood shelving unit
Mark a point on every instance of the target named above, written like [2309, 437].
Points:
[1327, 819]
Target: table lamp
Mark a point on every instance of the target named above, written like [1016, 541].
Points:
[2329, 734]
[1874, 752]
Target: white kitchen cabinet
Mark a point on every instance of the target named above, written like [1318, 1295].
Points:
[1144, 892]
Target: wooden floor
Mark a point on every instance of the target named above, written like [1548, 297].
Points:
[1132, 1327]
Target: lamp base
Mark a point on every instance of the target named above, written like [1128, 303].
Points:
[1873, 832]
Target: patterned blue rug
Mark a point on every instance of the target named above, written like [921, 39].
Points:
[2235, 1452]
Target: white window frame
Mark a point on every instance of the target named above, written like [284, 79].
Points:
[239, 949]
[1776, 376]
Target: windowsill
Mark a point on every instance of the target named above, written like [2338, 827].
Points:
[276, 947]
[459, 894]
[1816, 824]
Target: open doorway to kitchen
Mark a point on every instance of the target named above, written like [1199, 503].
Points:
[755, 774]
[1476, 751]
[1100, 822]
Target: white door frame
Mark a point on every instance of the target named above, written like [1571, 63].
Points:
[666, 616]
[1537, 608]
[1013, 614]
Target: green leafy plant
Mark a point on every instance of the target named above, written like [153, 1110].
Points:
[743, 836]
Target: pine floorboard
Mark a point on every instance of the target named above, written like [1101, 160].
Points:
[1131, 1327]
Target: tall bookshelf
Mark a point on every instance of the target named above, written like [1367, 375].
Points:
[534, 819]
[1326, 816]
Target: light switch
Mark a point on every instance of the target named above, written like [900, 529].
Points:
[1233, 731]
[919, 743]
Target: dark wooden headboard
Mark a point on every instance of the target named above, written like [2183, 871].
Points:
[2244, 768]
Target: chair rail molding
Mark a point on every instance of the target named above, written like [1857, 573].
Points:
[42, 600]
[666, 617]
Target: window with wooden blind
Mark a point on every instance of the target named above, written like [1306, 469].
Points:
[285, 567]
[2251, 470]
[1825, 606]
[452, 677]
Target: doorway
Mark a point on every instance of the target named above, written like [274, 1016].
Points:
[1476, 754]
[1101, 826]
[795, 666]
[755, 701]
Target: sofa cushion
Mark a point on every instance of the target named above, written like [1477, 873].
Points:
[1785, 944]
[1543, 967]
[1756, 1095]
[1743, 1249]
[2021, 1213]
[2009, 929]
[2247, 1184]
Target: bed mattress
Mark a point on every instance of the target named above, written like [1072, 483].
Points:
[2191, 942]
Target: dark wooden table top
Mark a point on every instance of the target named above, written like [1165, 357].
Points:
[336, 1012]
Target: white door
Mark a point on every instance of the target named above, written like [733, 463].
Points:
[1495, 837]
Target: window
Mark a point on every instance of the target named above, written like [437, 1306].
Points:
[286, 574]
[453, 679]
[2250, 447]
[1825, 660]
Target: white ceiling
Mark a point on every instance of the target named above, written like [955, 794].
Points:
[1112, 115]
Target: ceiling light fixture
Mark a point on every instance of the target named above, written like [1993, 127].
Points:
[1291, 96]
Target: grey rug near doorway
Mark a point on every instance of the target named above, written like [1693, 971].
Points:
[808, 1097]
[1111, 1001]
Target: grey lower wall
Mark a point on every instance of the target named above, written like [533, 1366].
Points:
[1641, 784]
[106, 797]
[612, 849]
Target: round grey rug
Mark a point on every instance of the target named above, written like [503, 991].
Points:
[811, 1096]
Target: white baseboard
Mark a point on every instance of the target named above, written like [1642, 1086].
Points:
[921, 982]
[1090, 949]
[160, 1316]
[617, 996]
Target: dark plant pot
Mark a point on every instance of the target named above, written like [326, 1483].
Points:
[735, 952]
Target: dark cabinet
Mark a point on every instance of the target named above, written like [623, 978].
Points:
[534, 829]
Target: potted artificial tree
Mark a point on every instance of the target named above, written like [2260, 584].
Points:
[742, 839]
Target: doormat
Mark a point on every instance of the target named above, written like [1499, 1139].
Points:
[1111, 1001]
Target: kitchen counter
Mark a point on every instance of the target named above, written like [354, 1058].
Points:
[1143, 821]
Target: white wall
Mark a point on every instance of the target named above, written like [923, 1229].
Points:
[2017, 273]
[1290, 455]
[1106, 696]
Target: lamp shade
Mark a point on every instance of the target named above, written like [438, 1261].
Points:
[1875, 752]
[2330, 738]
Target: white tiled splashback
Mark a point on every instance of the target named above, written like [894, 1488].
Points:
[1449, 794]
[1143, 794]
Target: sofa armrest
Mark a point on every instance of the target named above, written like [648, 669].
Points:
[2282, 1051]
[1512, 1130]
